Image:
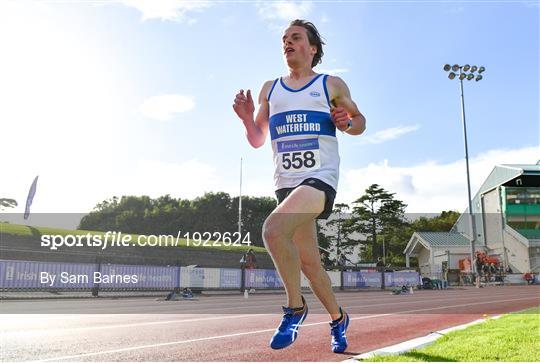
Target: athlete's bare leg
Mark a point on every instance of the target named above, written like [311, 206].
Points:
[303, 205]
[305, 239]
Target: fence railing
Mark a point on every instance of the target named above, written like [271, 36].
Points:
[35, 275]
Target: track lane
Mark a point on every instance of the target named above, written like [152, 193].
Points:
[378, 319]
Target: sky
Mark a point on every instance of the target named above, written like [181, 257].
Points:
[134, 97]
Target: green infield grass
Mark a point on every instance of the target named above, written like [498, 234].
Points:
[512, 338]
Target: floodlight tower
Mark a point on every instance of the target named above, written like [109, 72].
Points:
[240, 204]
[461, 73]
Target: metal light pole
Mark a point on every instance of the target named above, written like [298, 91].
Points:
[383, 252]
[240, 204]
[340, 208]
[469, 76]
[338, 237]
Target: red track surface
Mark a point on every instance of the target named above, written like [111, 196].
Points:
[200, 331]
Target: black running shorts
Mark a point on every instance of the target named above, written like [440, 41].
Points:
[330, 193]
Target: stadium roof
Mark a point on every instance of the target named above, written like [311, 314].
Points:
[524, 167]
[437, 239]
[444, 238]
[500, 175]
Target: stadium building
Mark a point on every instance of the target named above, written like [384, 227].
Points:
[507, 222]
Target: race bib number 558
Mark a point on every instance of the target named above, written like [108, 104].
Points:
[298, 155]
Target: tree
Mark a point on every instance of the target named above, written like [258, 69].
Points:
[325, 242]
[255, 210]
[376, 212]
[212, 212]
[334, 236]
[440, 223]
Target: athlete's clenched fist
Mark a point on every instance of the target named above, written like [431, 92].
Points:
[243, 105]
[340, 117]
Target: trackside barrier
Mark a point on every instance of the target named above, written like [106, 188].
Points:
[27, 274]
[34, 275]
[361, 279]
[335, 278]
[149, 277]
[259, 279]
[402, 278]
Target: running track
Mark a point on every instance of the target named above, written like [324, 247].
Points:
[231, 328]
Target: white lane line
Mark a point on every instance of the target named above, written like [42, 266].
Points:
[419, 296]
[414, 298]
[255, 296]
[56, 330]
[409, 300]
[259, 331]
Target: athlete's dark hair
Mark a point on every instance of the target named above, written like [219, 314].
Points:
[314, 39]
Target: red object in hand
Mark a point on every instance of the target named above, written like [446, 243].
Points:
[340, 117]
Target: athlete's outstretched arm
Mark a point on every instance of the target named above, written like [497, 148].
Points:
[344, 108]
[256, 129]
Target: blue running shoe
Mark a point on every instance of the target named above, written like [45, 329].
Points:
[338, 329]
[287, 331]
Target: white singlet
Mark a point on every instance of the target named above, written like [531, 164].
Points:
[303, 135]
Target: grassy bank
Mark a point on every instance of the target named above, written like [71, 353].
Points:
[512, 338]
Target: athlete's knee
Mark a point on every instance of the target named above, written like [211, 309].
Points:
[271, 231]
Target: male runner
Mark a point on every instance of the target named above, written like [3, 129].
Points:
[302, 112]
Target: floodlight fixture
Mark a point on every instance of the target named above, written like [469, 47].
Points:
[466, 72]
